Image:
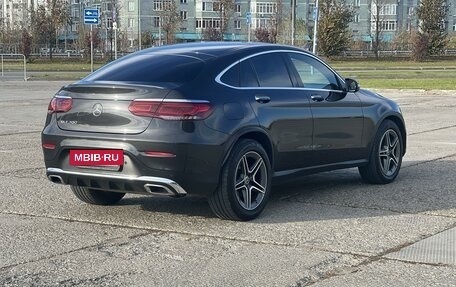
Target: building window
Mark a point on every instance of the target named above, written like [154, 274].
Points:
[238, 9]
[385, 25]
[260, 22]
[357, 3]
[388, 9]
[160, 5]
[183, 1]
[131, 6]
[356, 18]
[183, 15]
[131, 22]
[266, 8]
[207, 6]
[207, 23]
[237, 24]
[156, 21]
[311, 8]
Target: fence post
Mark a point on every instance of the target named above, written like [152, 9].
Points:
[25, 68]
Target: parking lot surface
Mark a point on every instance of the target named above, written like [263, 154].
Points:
[327, 229]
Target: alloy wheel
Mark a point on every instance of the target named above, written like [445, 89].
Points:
[389, 152]
[251, 180]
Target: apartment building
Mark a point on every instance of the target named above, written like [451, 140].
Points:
[135, 17]
[392, 16]
[14, 13]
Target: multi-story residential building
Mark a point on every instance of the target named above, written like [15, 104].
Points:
[393, 16]
[136, 17]
[14, 13]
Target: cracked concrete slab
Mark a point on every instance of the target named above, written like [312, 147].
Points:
[335, 228]
[26, 238]
[177, 260]
[328, 228]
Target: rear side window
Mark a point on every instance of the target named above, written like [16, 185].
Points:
[247, 75]
[231, 77]
[150, 68]
[271, 70]
[240, 75]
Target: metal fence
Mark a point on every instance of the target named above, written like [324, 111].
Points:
[9, 66]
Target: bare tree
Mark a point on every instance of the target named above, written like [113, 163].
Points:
[26, 45]
[225, 11]
[274, 30]
[169, 20]
[48, 19]
[376, 13]
[264, 35]
[211, 34]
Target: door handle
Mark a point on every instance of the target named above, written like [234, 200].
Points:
[262, 99]
[317, 98]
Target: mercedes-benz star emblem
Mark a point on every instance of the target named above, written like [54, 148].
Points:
[97, 110]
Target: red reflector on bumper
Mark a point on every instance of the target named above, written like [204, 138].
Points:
[49, 146]
[159, 154]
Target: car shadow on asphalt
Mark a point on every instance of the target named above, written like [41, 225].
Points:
[420, 187]
[199, 207]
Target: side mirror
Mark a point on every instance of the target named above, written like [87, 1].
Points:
[351, 85]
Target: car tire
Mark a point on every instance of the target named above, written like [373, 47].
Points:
[97, 197]
[386, 156]
[245, 183]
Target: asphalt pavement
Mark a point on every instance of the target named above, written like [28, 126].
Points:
[328, 229]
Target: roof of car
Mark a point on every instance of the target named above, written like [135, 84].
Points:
[204, 50]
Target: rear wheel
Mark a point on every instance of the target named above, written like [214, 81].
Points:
[98, 197]
[386, 156]
[245, 183]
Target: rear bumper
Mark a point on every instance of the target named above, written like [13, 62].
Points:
[118, 183]
[195, 166]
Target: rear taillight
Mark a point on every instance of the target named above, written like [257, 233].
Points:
[171, 110]
[60, 104]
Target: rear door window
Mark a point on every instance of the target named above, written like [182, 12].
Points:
[271, 70]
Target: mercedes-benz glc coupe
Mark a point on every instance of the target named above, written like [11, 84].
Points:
[216, 119]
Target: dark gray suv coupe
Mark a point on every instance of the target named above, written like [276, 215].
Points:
[218, 120]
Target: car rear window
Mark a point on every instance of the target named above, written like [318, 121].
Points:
[150, 68]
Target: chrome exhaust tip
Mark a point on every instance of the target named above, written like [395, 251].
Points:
[56, 179]
[157, 189]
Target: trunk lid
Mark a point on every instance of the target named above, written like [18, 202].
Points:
[103, 108]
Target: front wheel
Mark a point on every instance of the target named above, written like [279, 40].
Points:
[245, 183]
[98, 197]
[386, 157]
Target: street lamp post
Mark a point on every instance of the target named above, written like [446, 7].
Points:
[293, 21]
[139, 24]
[315, 35]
